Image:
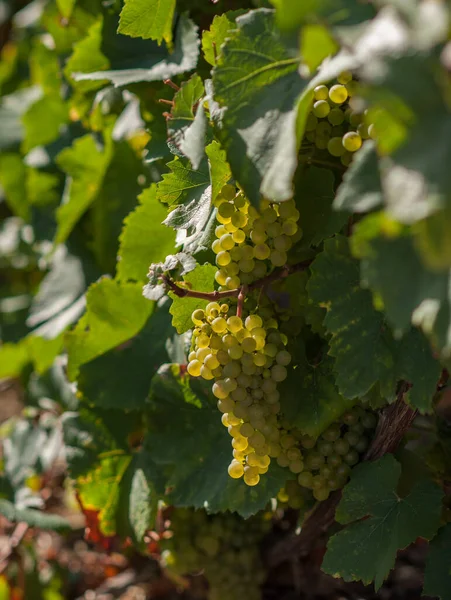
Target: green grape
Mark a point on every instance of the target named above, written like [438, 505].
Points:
[321, 109]
[321, 92]
[355, 119]
[341, 446]
[236, 469]
[223, 258]
[221, 277]
[362, 130]
[219, 389]
[346, 159]
[205, 373]
[226, 242]
[321, 143]
[336, 116]
[226, 210]
[334, 460]
[278, 373]
[361, 445]
[311, 122]
[238, 236]
[352, 438]
[219, 325]
[278, 258]
[283, 357]
[211, 362]
[269, 215]
[372, 131]
[262, 251]
[233, 282]
[344, 77]
[321, 494]
[352, 141]
[194, 368]
[253, 321]
[198, 316]
[338, 94]
[335, 147]
[305, 479]
[251, 476]
[228, 192]
[249, 345]
[325, 448]
[332, 433]
[351, 457]
[239, 219]
[314, 461]
[216, 247]
[323, 130]
[369, 421]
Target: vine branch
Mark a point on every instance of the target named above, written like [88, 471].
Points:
[281, 273]
[393, 423]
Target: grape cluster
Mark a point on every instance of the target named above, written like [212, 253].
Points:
[329, 459]
[247, 359]
[224, 546]
[248, 242]
[332, 124]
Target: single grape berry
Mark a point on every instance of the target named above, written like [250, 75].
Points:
[352, 141]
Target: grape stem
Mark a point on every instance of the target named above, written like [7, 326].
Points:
[171, 84]
[282, 273]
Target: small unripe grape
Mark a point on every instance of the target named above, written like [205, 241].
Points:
[194, 368]
[289, 227]
[278, 373]
[212, 309]
[341, 446]
[205, 373]
[227, 242]
[344, 77]
[338, 94]
[219, 325]
[278, 258]
[335, 146]
[219, 390]
[223, 258]
[321, 92]
[236, 469]
[251, 476]
[305, 479]
[321, 109]
[336, 116]
[352, 141]
[216, 247]
[262, 251]
[198, 316]
[226, 210]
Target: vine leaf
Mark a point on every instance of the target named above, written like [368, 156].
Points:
[144, 19]
[379, 523]
[202, 280]
[194, 217]
[362, 343]
[188, 125]
[220, 172]
[437, 576]
[420, 295]
[181, 408]
[144, 238]
[257, 85]
[151, 62]
[213, 38]
[114, 313]
[310, 399]
[105, 380]
[314, 194]
[361, 189]
[85, 164]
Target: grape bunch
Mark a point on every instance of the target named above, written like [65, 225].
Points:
[247, 359]
[224, 546]
[333, 125]
[329, 459]
[248, 242]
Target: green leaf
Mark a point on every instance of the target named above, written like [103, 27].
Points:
[361, 188]
[437, 575]
[365, 350]
[366, 549]
[150, 61]
[87, 56]
[258, 86]
[316, 44]
[12, 107]
[213, 38]
[392, 268]
[12, 179]
[13, 358]
[100, 490]
[114, 314]
[292, 14]
[140, 18]
[220, 172]
[314, 197]
[43, 121]
[66, 7]
[181, 409]
[182, 184]
[188, 124]
[310, 399]
[105, 380]
[202, 279]
[144, 239]
[86, 165]
[32, 517]
[194, 219]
